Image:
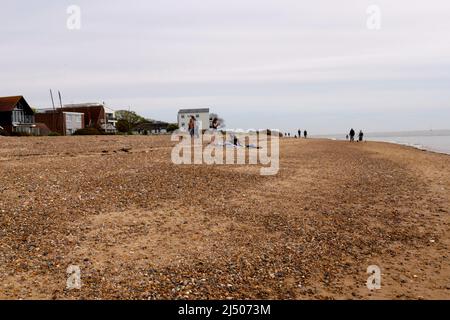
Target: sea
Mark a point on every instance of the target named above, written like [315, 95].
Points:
[431, 140]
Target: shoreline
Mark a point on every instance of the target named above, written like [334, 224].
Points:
[414, 146]
[410, 145]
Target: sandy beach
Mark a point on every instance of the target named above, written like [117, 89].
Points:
[140, 227]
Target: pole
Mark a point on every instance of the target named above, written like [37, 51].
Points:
[63, 121]
[54, 111]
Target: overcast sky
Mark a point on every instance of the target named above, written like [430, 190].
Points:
[260, 64]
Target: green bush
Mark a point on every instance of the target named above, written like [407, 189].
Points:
[172, 127]
[54, 134]
[88, 132]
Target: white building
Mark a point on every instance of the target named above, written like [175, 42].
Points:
[202, 116]
[109, 124]
[73, 122]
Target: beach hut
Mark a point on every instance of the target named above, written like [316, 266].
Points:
[16, 116]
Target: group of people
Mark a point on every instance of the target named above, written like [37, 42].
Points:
[193, 126]
[193, 131]
[352, 134]
[305, 134]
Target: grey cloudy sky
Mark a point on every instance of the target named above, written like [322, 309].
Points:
[279, 64]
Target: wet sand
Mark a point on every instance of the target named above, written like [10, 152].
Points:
[140, 227]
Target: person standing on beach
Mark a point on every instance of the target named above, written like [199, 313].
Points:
[305, 133]
[299, 133]
[352, 135]
[191, 126]
[197, 127]
[361, 135]
[215, 124]
[214, 127]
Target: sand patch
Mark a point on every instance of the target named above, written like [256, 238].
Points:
[159, 237]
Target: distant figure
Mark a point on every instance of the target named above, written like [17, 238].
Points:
[236, 141]
[191, 126]
[285, 134]
[289, 134]
[360, 135]
[299, 133]
[215, 124]
[346, 137]
[305, 133]
[352, 135]
[197, 127]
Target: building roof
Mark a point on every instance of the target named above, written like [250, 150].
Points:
[75, 106]
[56, 110]
[202, 110]
[9, 103]
[84, 105]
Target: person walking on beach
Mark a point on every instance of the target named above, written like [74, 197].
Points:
[191, 126]
[214, 127]
[360, 135]
[352, 135]
[197, 128]
[299, 133]
[215, 124]
[305, 133]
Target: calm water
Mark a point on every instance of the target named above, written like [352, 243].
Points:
[438, 141]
